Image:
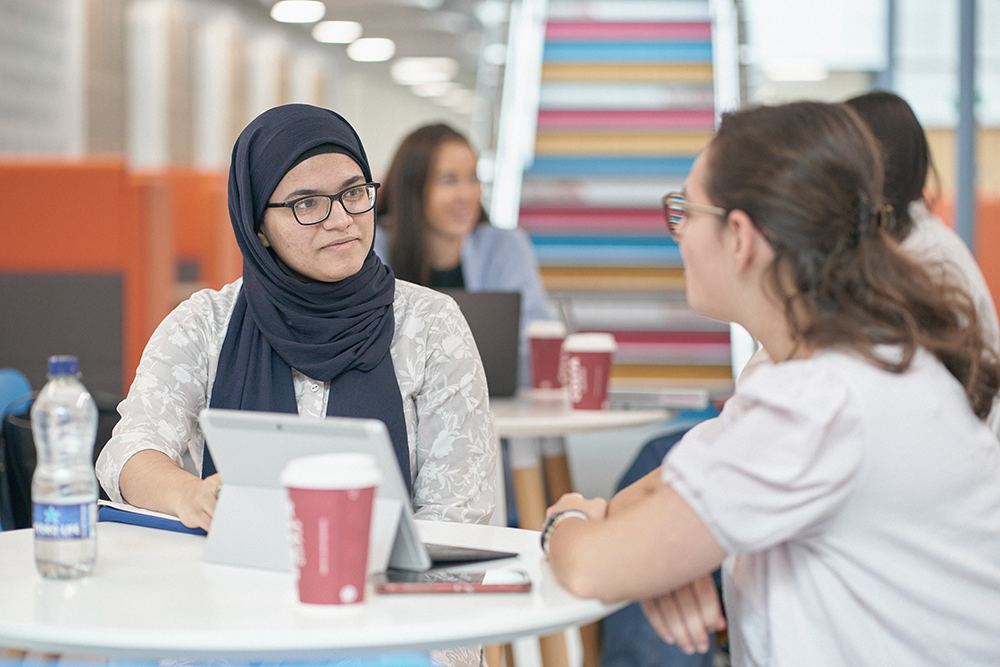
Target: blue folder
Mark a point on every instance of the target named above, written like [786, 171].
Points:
[109, 513]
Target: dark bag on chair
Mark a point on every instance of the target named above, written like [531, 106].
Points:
[17, 464]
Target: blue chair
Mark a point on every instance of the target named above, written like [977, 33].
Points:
[627, 638]
[15, 392]
[15, 398]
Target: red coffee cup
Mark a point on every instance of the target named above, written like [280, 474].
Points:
[546, 339]
[588, 368]
[331, 497]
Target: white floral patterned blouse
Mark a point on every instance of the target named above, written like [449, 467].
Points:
[453, 451]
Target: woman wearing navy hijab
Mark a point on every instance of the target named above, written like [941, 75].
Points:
[317, 325]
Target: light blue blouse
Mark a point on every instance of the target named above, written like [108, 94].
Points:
[500, 260]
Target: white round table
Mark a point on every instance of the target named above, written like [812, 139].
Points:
[533, 413]
[152, 597]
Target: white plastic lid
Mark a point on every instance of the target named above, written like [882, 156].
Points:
[590, 342]
[545, 329]
[332, 471]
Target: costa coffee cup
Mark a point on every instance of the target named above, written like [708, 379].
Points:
[588, 368]
[546, 339]
[331, 497]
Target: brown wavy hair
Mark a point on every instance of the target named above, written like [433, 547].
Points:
[401, 206]
[906, 156]
[809, 175]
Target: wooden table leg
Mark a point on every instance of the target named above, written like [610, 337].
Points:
[529, 485]
[529, 491]
[494, 654]
[590, 640]
[553, 649]
[557, 476]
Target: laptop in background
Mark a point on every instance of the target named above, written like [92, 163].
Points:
[250, 524]
[495, 321]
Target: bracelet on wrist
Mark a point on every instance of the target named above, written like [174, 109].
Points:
[550, 524]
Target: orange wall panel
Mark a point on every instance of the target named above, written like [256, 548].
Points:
[202, 231]
[92, 216]
[65, 216]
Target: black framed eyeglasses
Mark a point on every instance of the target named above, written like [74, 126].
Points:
[314, 209]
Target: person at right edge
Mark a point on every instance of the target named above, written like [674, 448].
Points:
[627, 638]
[850, 488]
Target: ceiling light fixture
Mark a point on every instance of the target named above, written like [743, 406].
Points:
[411, 71]
[371, 49]
[298, 11]
[336, 32]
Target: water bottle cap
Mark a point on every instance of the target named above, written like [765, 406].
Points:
[63, 365]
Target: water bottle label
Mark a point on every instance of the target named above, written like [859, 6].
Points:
[62, 522]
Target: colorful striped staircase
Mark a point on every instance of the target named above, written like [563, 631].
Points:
[626, 103]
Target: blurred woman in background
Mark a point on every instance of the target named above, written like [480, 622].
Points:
[437, 232]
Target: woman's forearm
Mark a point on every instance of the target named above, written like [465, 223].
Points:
[150, 479]
[633, 493]
[653, 546]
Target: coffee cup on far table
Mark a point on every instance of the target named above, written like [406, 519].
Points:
[588, 368]
[331, 498]
[546, 338]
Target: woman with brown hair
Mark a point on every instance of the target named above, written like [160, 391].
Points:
[849, 489]
[437, 231]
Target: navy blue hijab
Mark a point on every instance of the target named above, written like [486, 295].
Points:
[336, 332]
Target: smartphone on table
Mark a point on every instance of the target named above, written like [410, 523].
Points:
[492, 580]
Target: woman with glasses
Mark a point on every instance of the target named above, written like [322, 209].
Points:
[849, 489]
[318, 326]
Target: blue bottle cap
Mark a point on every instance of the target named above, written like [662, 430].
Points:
[63, 365]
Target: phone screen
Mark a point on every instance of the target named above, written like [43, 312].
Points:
[497, 580]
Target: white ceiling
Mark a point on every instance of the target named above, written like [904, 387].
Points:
[418, 27]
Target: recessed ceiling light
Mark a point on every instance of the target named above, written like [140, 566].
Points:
[371, 49]
[411, 71]
[336, 32]
[298, 11]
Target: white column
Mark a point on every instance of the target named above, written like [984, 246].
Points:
[148, 72]
[265, 78]
[214, 81]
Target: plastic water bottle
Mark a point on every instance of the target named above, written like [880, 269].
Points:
[64, 488]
